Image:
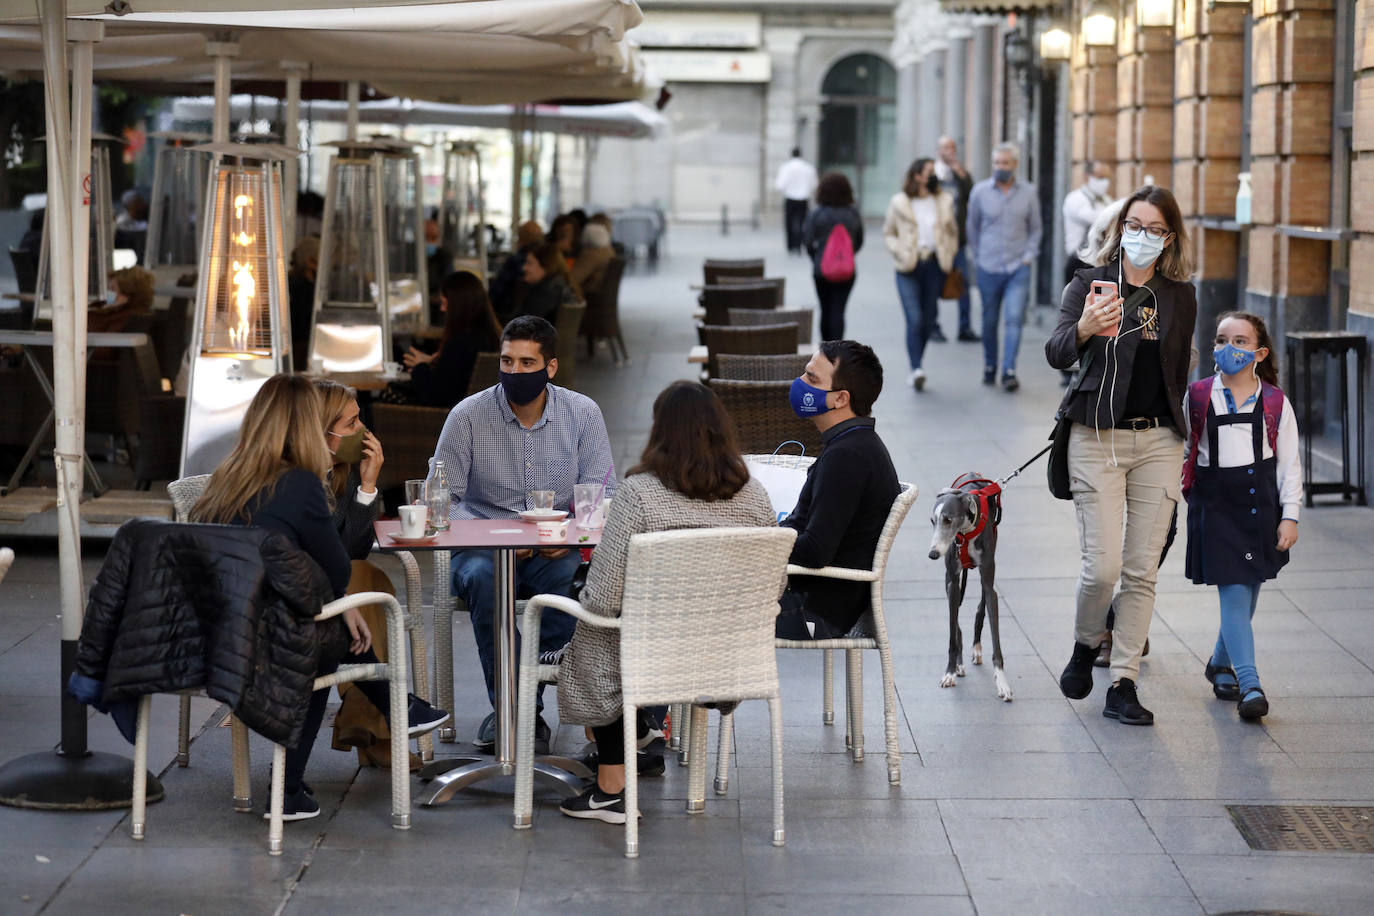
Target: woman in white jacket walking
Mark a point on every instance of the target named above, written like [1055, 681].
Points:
[923, 239]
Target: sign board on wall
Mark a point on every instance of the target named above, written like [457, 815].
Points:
[698, 30]
[710, 66]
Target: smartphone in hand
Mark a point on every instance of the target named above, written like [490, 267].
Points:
[1105, 291]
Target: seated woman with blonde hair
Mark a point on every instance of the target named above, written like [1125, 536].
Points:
[276, 478]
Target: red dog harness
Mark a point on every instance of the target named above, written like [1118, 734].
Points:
[989, 494]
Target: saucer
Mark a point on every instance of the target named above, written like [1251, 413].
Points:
[543, 515]
[412, 542]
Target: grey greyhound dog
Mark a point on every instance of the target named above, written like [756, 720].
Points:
[965, 521]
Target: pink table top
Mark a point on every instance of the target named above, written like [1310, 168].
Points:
[491, 533]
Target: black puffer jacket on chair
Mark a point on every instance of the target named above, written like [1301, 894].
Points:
[223, 607]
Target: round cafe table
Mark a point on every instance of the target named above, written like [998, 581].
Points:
[504, 537]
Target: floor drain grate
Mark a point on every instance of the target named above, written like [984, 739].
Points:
[1305, 828]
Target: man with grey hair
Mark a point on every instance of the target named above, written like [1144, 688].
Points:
[1004, 236]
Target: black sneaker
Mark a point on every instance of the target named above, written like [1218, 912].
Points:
[1223, 681]
[1124, 706]
[969, 337]
[648, 764]
[1077, 680]
[423, 718]
[1009, 382]
[989, 376]
[541, 737]
[1254, 706]
[297, 806]
[486, 733]
[595, 805]
[938, 336]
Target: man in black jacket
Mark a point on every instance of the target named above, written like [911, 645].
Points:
[847, 495]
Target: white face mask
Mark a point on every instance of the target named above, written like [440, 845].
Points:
[1098, 186]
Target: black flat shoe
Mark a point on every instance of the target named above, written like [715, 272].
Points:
[1254, 706]
[1123, 704]
[1223, 691]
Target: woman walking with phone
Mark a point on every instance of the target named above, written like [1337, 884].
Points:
[1129, 323]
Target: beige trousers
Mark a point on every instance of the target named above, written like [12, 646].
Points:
[1123, 510]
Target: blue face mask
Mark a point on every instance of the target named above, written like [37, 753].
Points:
[1230, 359]
[807, 400]
[1003, 176]
[431, 250]
[1140, 248]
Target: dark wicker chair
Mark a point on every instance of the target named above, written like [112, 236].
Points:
[763, 418]
[743, 367]
[768, 338]
[749, 318]
[717, 300]
[714, 268]
[486, 371]
[408, 435]
[161, 418]
[602, 320]
[568, 324]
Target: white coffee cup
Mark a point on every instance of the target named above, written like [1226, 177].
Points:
[317, 366]
[553, 531]
[391, 369]
[413, 520]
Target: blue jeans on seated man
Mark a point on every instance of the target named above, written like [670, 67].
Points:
[473, 581]
[998, 290]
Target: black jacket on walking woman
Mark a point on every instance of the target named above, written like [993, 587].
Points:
[819, 223]
[1152, 387]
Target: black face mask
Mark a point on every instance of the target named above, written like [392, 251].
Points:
[932, 184]
[523, 387]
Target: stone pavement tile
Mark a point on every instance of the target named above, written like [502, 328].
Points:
[1193, 827]
[786, 871]
[865, 810]
[808, 776]
[993, 866]
[968, 709]
[755, 749]
[206, 879]
[1353, 760]
[1333, 885]
[1318, 738]
[460, 865]
[1260, 777]
[1050, 827]
[938, 741]
[1357, 710]
[1319, 600]
[676, 856]
[858, 901]
[1019, 902]
[401, 901]
[1016, 776]
[591, 898]
[823, 837]
[63, 840]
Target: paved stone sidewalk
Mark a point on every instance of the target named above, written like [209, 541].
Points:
[1037, 806]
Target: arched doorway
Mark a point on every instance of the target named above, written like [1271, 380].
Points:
[858, 129]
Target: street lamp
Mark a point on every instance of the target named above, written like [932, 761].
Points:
[1099, 25]
[1150, 14]
[1056, 44]
[241, 333]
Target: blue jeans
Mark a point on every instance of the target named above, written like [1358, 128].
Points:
[474, 582]
[999, 289]
[1236, 642]
[965, 307]
[919, 290]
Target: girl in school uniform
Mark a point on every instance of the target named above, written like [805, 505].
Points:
[1243, 483]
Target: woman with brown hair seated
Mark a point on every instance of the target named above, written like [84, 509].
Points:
[690, 475]
[441, 379]
[550, 284]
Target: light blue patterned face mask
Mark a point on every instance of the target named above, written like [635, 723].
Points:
[1230, 359]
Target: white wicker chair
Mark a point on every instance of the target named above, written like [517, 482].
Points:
[696, 627]
[869, 633]
[185, 491]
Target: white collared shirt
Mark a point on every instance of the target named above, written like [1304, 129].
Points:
[1237, 450]
[797, 179]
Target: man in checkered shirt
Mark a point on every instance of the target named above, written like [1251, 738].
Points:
[497, 446]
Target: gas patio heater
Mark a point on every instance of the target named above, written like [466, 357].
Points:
[178, 199]
[96, 191]
[241, 332]
[371, 278]
[463, 211]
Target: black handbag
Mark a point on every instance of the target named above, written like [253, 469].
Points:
[1057, 467]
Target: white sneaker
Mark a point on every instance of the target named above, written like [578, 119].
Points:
[917, 379]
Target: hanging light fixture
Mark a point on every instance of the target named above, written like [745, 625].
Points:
[178, 198]
[241, 332]
[1154, 14]
[462, 211]
[1099, 25]
[1056, 44]
[372, 271]
[98, 197]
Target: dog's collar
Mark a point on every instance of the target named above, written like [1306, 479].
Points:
[989, 500]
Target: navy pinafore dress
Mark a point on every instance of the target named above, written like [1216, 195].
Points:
[1234, 513]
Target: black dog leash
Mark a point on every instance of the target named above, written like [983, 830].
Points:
[1017, 473]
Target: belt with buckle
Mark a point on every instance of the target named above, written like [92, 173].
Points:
[1140, 424]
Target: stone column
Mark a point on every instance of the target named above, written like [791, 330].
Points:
[932, 96]
[956, 87]
[978, 157]
[780, 127]
[909, 108]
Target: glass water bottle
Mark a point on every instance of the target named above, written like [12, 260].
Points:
[437, 495]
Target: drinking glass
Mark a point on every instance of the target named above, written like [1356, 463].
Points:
[415, 493]
[540, 499]
[587, 503]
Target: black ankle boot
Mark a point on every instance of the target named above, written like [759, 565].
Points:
[1077, 680]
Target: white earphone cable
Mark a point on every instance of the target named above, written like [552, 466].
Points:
[1115, 363]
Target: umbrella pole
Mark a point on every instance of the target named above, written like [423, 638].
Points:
[74, 778]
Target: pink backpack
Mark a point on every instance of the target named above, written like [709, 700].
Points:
[837, 260]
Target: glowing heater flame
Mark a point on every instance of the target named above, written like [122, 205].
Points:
[245, 285]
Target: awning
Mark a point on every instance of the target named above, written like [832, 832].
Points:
[1001, 6]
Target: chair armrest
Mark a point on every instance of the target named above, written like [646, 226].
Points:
[534, 608]
[834, 572]
[361, 599]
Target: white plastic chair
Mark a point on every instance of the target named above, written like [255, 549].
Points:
[870, 633]
[696, 627]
